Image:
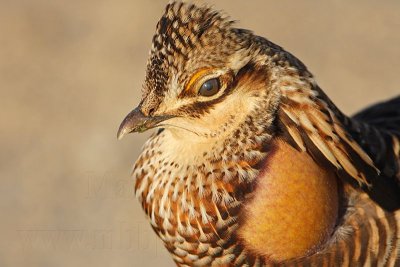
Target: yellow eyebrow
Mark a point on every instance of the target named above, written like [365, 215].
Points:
[195, 77]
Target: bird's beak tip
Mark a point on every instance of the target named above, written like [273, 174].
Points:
[130, 123]
[136, 121]
[121, 133]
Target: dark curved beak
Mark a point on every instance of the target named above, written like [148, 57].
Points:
[136, 121]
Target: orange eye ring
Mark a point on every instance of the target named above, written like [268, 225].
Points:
[196, 78]
[206, 79]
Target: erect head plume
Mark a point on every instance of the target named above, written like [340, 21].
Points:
[188, 36]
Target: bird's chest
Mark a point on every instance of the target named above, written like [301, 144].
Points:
[194, 206]
[219, 209]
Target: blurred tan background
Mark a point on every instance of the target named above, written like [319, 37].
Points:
[71, 70]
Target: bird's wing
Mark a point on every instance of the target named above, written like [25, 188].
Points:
[310, 124]
[313, 124]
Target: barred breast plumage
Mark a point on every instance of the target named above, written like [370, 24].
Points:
[252, 164]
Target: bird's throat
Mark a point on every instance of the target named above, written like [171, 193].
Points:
[295, 206]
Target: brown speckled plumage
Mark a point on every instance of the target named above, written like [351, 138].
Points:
[198, 175]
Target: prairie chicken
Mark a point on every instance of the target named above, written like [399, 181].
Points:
[252, 163]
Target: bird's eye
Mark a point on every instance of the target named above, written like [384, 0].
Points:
[210, 87]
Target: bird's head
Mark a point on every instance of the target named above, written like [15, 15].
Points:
[203, 76]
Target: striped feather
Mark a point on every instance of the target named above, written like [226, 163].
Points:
[325, 149]
[315, 122]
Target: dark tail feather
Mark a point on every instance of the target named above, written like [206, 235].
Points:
[384, 115]
[377, 129]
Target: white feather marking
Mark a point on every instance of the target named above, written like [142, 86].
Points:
[354, 146]
[226, 197]
[242, 174]
[180, 252]
[181, 228]
[205, 261]
[153, 187]
[345, 162]
[164, 199]
[292, 116]
[183, 201]
[214, 193]
[185, 245]
[203, 237]
[305, 122]
[214, 250]
[175, 193]
[144, 184]
[300, 98]
[289, 88]
[177, 258]
[321, 121]
[226, 259]
[294, 133]
[200, 185]
[324, 149]
[153, 216]
[166, 222]
[192, 257]
[203, 247]
[190, 230]
[205, 218]
[192, 211]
